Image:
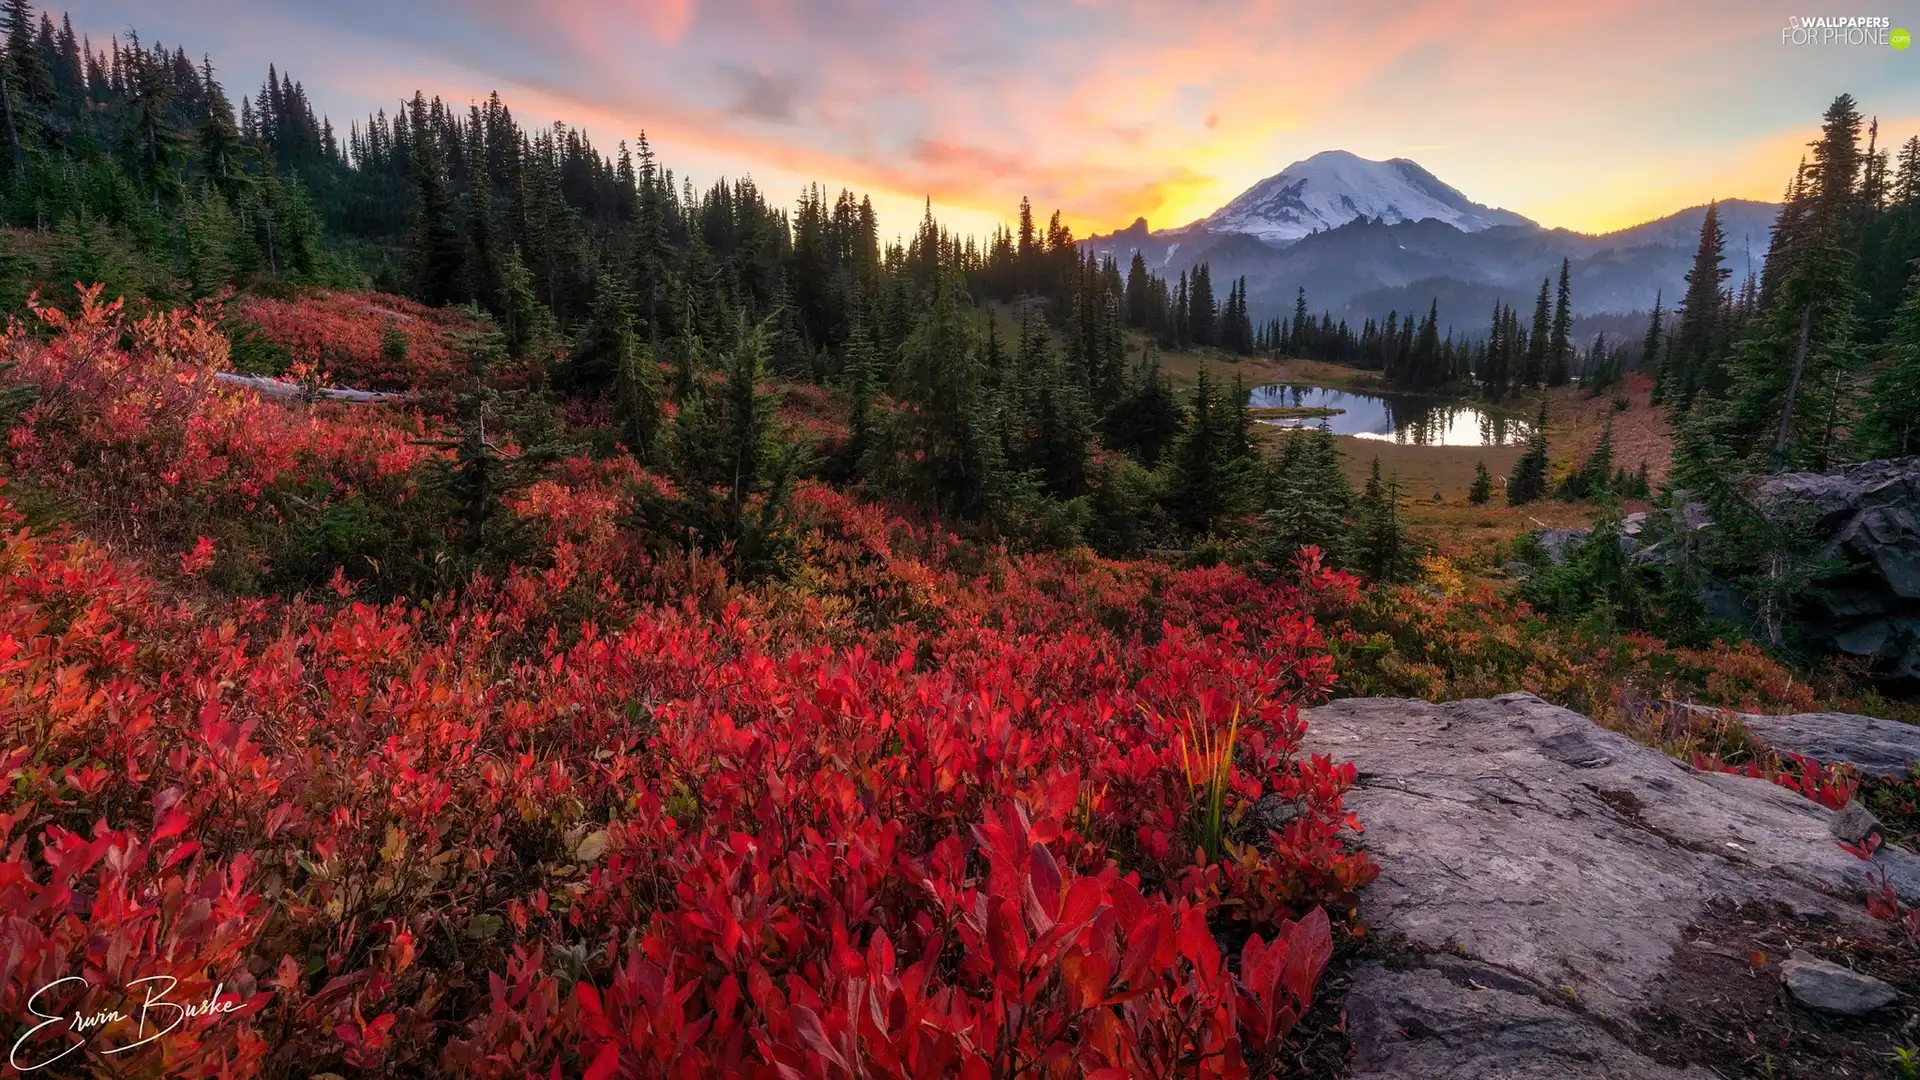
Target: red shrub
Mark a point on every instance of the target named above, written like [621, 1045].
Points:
[925, 809]
[694, 845]
[343, 334]
[148, 443]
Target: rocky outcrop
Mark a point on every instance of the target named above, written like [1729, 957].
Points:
[1543, 874]
[1867, 520]
[1863, 523]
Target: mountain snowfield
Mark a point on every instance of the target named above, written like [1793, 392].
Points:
[1334, 187]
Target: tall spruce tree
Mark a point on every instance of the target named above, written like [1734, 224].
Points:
[439, 255]
[1533, 367]
[1690, 364]
[1650, 345]
[1559, 354]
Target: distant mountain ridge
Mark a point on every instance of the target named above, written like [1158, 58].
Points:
[1334, 187]
[1366, 237]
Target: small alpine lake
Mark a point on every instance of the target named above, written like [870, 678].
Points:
[1403, 418]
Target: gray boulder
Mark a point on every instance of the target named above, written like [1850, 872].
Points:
[1828, 987]
[1548, 870]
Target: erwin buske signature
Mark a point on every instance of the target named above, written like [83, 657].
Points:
[156, 1017]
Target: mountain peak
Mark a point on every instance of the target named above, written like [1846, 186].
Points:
[1334, 187]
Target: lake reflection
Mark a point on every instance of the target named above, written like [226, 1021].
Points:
[1400, 418]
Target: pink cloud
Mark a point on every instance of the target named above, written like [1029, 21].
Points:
[1111, 109]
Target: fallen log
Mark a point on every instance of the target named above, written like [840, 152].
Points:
[280, 390]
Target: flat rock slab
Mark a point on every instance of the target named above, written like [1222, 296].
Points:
[1547, 869]
[1884, 748]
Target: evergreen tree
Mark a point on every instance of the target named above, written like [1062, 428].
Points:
[1211, 478]
[210, 234]
[1595, 477]
[1559, 355]
[1890, 416]
[1139, 292]
[940, 446]
[1906, 183]
[732, 465]
[1650, 345]
[439, 255]
[223, 155]
[862, 370]
[1202, 312]
[1533, 369]
[1308, 501]
[1529, 480]
[1147, 421]
[1787, 403]
[1690, 364]
[1482, 489]
[1382, 550]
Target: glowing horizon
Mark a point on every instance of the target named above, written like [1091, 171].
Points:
[1107, 110]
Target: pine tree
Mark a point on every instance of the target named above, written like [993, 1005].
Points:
[1650, 345]
[223, 155]
[1906, 184]
[1308, 500]
[861, 369]
[439, 255]
[1202, 313]
[1787, 404]
[1595, 477]
[1147, 421]
[1529, 480]
[940, 446]
[210, 233]
[1559, 357]
[1533, 367]
[636, 377]
[1382, 550]
[1690, 364]
[1139, 292]
[1211, 479]
[1890, 416]
[1482, 489]
[732, 465]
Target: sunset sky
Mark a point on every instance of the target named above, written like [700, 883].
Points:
[1590, 116]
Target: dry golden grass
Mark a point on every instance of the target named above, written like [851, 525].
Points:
[1184, 367]
[1641, 433]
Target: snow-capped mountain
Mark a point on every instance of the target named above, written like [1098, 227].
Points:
[1334, 187]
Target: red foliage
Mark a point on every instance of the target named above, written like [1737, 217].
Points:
[1832, 786]
[146, 440]
[920, 811]
[341, 333]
